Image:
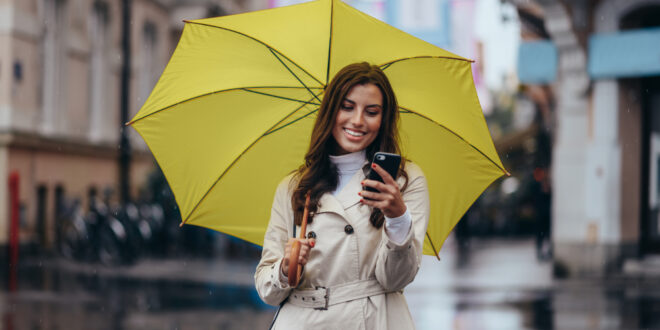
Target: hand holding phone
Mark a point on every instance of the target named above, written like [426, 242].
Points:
[389, 200]
[389, 162]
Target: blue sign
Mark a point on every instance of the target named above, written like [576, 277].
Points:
[626, 54]
[537, 62]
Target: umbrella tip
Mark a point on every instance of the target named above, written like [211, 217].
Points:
[181, 224]
[128, 123]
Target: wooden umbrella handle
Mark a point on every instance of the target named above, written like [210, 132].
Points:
[295, 268]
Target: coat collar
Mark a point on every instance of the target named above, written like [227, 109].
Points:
[346, 198]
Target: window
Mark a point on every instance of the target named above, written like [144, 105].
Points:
[148, 61]
[54, 56]
[98, 70]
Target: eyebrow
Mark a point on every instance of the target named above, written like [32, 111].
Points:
[370, 105]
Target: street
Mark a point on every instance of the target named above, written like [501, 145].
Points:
[494, 284]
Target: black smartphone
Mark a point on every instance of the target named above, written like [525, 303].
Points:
[389, 162]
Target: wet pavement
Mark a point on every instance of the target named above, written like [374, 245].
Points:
[494, 284]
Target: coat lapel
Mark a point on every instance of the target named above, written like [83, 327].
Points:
[348, 196]
[328, 203]
[345, 199]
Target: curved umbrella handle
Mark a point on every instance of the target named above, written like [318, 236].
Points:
[295, 268]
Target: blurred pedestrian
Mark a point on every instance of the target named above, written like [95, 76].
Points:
[542, 206]
[362, 248]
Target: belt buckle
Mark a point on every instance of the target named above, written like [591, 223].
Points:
[325, 296]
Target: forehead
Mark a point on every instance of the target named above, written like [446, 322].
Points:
[367, 93]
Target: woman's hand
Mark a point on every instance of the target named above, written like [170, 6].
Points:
[388, 199]
[305, 247]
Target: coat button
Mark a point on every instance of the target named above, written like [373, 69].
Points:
[311, 234]
[348, 229]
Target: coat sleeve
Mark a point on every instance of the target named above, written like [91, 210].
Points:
[397, 264]
[267, 276]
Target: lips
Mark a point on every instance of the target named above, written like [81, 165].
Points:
[354, 133]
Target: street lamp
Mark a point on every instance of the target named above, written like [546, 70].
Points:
[124, 143]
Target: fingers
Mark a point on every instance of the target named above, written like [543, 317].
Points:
[381, 187]
[387, 178]
[375, 203]
[304, 252]
[388, 198]
[375, 196]
[305, 246]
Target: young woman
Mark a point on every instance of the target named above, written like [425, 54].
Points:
[362, 248]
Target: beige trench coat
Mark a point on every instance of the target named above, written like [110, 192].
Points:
[342, 256]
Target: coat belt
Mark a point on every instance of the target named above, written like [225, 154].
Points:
[322, 297]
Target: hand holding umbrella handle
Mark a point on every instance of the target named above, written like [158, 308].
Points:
[295, 268]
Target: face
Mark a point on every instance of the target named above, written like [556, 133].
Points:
[358, 119]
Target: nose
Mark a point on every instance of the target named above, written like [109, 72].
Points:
[357, 118]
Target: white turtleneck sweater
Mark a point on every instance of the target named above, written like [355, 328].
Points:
[347, 165]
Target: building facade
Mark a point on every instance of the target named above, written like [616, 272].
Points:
[60, 81]
[604, 84]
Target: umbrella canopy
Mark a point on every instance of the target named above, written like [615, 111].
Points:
[232, 113]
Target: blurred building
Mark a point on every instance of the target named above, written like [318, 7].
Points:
[592, 69]
[60, 76]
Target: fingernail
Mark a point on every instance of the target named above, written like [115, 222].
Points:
[362, 201]
[360, 193]
[362, 183]
[373, 165]
[312, 243]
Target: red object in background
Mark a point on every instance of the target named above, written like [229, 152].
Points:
[14, 210]
[539, 174]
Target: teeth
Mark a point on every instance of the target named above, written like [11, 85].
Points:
[354, 133]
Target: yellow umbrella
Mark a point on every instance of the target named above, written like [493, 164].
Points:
[232, 113]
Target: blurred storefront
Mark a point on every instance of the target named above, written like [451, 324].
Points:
[593, 66]
[60, 82]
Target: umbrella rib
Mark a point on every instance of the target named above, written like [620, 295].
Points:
[236, 160]
[291, 122]
[458, 136]
[211, 93]
[259, 41]
[295, 75]
[386, 65]
[281, 97]
[432, 246]
[332, 16]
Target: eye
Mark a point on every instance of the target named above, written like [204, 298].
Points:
[373, 111]
[346, 106]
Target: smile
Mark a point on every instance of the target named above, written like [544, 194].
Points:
[354, 133]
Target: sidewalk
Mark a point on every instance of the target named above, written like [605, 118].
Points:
[494, 284]
[217, 271]
[489, 264]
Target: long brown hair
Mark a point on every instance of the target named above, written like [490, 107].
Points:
[318, 175]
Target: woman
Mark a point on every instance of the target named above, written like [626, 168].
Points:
[362, 248]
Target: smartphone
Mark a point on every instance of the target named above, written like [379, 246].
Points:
[389, 162]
